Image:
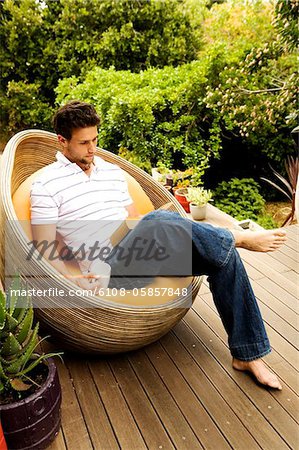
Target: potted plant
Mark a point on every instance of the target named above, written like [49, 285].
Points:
[181, 196]
[160, 172]
[30, 393]
[181, 180]
[198, 198]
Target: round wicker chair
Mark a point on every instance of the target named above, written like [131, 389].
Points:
[86, 323]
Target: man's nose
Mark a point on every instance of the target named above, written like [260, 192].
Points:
[91, 147]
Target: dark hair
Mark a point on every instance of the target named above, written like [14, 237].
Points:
[72, 115]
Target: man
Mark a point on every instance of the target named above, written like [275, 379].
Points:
[83, 197]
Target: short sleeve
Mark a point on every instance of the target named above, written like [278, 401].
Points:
[126, 199]
[43, 207]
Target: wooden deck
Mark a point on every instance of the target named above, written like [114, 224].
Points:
[181, 391]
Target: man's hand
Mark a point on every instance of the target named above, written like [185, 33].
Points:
[91, 282]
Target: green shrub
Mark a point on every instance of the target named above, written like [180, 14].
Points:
[267, 221]
[239, 198]
[157, 114]
[256, 90]
[25, 107]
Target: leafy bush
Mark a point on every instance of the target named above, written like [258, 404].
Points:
[157, 114]
[239, 198]
[43, 41]
[25, 107]
[256, 91]
[267, 221]
[126, 34]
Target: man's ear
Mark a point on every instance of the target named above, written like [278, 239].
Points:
[62, 140]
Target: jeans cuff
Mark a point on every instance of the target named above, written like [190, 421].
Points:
[250, 352]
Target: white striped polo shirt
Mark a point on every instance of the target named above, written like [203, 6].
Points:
[86, 209]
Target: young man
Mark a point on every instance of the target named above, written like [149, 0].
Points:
[83, 197]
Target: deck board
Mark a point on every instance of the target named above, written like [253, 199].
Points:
[182, 392]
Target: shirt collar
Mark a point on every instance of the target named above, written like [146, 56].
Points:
[66, 162]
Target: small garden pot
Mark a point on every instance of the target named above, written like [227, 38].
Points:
[34, 422]
[180, 195]
[198, 212]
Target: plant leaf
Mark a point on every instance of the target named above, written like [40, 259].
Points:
[25, 326]
[24, 358]
[3, 376]
[10, 346]
[11, 322]
[13, 297]
[2, 299]
[277, 187]
[18, 385]
[2, 316]
[37, 361]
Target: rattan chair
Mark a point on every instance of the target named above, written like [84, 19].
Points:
[86, 323]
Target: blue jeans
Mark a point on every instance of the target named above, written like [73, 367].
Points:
[213, 254]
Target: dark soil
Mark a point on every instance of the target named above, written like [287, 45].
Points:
[38, 375]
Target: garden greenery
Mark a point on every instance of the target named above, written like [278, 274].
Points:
[178, 81]
[157, 114]
[241, 199]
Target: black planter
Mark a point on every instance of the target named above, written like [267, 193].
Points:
[34, 422]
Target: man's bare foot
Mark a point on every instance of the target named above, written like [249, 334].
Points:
[260, 241]
[260, 372]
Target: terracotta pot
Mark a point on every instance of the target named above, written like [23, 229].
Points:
[34, 422]
[198, 212]
[180, 195]
[3, 445]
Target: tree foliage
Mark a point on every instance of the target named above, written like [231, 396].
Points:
[134, 60]
[157, 114]
[125, 34]
[256, 90]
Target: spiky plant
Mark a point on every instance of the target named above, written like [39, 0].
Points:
[18, 341]
[288, 186]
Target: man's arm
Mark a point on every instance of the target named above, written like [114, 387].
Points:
[47, 234]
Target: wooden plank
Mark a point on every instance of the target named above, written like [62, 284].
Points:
[168, 410]
[58, 443]
[221, 413]
[261, 259]
[293, 277]
[278, 364]
[252, 419]
[278, 292]
[122, 421]
[74, 428]
[264, 401]
[286, 260]
[253, 272]
[293, 230]
[273, 303]
[185, 398]
[91, 405]
[148, 422]
[278, 342]
[289, 251]
[287, 396]
[268, 271]
[292, 240]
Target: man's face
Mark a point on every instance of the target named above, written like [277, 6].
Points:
[81, 148]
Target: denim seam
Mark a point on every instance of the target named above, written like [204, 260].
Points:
[249, 345]
[232, 247]
[253, 358]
